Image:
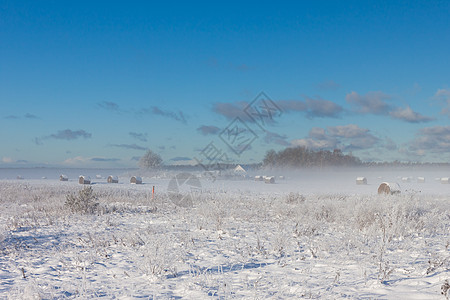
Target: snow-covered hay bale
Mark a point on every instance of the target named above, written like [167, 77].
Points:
[84, 179]
[113, 179]
[420, 179]
[281, 177]
[269, 179]
[445, 180]
[389, 188]
[63, 177]
[259, 178]
[136, 180]
[98, 176]
[406, 179]
[361, 180]
[20, 177]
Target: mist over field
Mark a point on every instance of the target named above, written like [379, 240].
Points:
[311, 234]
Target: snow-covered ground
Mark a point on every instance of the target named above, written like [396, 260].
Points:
[314, 234]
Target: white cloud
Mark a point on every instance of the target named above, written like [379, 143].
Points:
[370, 103]
[76, 160]
[408, 115]
[316, 144]
[375, 103]
[348, 138]
[434, 139]
[443, 95]
[347, 131]
[7, 160]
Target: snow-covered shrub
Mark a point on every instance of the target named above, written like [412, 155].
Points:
[295, 198]
[445, 288]
[85, 202]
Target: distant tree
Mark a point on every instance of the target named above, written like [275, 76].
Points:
[150, 160]
[299, 157]
[270, 158]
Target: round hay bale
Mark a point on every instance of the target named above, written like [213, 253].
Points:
[388, 188]
[84, 179]
[136, 180]
[63, 177]
[269, 179]
[361, 180]
[259, 178]
[113, 179]
[406, 179]
[420, 179]
[445, 180]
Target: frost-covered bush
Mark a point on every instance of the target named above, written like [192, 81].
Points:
[85, 202]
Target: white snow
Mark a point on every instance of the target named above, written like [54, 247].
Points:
[313, 235]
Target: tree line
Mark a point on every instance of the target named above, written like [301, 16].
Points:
[302, 157]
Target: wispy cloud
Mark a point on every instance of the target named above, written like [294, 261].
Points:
[232, 110]
[321, 108]
[154, 110]
[30, 116]
[313, 108]
[329, 85]
[26, 116]
[370, 103]
[11, 117]
[242, 67]
[139, 136]
[108, 105]
[376, 103]
[76, 160]
[275, 138]
[408, 115]
[66, 134]
[69, 134]
[81, 160]
[7, 159]
[102, 159]
[129, 146]
[206, 130]
[443, 95]
[180, 158]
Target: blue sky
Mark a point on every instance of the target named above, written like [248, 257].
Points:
[95, 83]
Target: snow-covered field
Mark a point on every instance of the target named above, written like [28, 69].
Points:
[312, 235]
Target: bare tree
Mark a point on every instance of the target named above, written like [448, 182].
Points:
[150, 160]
